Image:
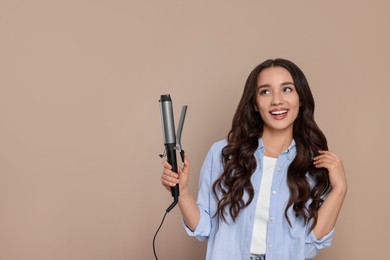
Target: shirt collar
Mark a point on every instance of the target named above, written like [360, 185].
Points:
[290, 150]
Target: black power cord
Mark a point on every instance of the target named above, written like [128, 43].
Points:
[155, 235]
[175, 200]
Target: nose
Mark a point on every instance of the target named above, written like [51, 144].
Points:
[276, 99]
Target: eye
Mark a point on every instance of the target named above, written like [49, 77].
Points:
[288, 89]
[264, 91]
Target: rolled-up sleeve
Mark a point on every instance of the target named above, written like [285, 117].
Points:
[313, 245]
[202, 230]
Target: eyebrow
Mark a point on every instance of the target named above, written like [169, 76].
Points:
[283, 84]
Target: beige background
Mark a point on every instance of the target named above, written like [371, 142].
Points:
[80, 128]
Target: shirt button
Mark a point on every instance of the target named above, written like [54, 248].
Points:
[271, 218]
[278, 169]
[274, 192]
[269, 245]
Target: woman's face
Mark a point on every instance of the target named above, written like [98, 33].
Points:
[277, 99]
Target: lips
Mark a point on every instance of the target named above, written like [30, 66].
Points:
[279, 113]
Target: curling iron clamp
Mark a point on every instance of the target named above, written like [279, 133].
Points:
[172, 142]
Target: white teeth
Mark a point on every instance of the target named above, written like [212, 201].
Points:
[278, 112]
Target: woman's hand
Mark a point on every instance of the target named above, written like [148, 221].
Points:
[170, 179]
[188, 207]
[335, 167]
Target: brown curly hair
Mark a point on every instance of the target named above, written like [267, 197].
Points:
[240, 163]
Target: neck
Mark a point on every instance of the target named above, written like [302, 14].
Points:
[275, 142]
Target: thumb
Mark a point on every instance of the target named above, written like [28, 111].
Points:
[186, 166]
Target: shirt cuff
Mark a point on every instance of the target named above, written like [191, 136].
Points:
[202, 230]
[314, 245]
[324, 242]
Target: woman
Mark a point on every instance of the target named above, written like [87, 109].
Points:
[271, 190]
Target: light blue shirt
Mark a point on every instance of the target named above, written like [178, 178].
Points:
[232, 240]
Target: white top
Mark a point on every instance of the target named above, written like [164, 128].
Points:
[259, 234]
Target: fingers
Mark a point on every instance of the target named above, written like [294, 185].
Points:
[166, 165]
[335, 167]
[171, 179]
[326, 154]
[327, 159]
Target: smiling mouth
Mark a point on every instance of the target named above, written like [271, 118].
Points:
[278, 112]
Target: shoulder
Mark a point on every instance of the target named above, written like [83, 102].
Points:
[219, 145]
[215, 151]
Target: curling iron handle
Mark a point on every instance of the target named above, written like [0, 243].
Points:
[172, 160]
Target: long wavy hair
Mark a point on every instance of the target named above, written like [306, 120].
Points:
[243, 140]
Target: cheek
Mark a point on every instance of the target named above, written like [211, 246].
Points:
[261, 103]
[262, 108]
[296, 105]
[295, 101]
[296, 111]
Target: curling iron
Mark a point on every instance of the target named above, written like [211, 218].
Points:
[171, 142]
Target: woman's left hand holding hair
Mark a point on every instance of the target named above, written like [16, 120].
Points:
[330, 209]
[334, 165]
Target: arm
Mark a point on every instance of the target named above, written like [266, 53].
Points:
[187, 204]
[330, 209]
